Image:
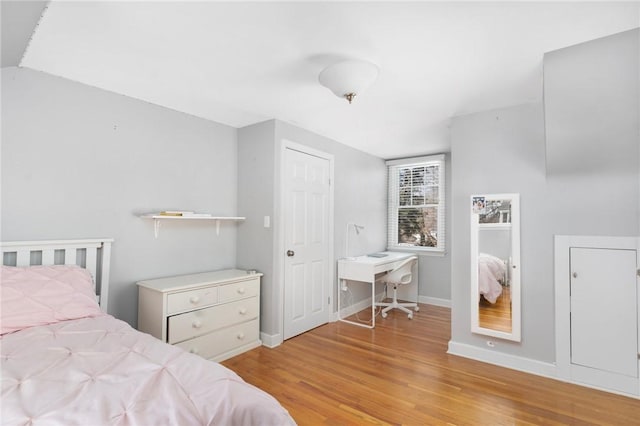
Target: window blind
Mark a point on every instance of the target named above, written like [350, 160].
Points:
[416, 204]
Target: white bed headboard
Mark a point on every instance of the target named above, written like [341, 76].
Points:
[93, 255]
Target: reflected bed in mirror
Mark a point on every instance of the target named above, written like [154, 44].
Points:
[495, 265]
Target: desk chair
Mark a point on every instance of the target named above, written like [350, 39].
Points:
[401, 275]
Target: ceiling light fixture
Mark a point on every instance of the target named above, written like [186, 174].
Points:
[348, 78]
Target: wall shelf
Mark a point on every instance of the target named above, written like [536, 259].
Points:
[158, 218]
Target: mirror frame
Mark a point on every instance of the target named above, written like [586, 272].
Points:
[515, 284]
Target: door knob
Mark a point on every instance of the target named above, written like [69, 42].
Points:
[290, 253]
[575, 275]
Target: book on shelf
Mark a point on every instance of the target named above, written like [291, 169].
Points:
[175, 213]
[182, 213]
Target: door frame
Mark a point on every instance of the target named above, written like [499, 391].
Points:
[279, 241]
[565, 370]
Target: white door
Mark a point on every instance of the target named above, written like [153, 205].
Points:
[604, 323]
[307, 300]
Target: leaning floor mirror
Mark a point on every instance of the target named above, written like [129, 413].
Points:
[495, 265]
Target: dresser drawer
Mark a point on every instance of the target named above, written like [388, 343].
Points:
[239, 290]
[191, 324]
[221, 341]
[192, 299]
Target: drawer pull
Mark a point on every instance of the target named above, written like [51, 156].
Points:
[194, 299]
[196, 324]
[242, 311]
[240, 336]
[241, 290]
[194, 351]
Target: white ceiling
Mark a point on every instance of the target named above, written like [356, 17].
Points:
[240, 63]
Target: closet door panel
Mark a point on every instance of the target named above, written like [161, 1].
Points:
[604, 323]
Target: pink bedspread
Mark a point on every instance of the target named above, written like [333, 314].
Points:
[100, 371]
[490, 271]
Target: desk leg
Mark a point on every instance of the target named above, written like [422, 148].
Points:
[343, 283]
[373, 303]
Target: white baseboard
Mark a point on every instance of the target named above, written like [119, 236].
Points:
[271, 340]
[445, 303]
[366, 303]
[513, 362]
[526, 365]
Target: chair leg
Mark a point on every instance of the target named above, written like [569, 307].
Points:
[395, 305]
[403, 309]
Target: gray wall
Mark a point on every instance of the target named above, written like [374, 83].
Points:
[592, 119]
[79, 162]
[19, 19]
[591, 94]
[255, 248]
[361, 197]
[359, 191]
[495, 241]
[504, 151]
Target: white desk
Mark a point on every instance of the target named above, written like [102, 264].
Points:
[365, 269]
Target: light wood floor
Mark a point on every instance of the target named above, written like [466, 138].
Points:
[400, 373]
[496, 316]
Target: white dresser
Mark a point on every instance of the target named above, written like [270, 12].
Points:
[213, 314]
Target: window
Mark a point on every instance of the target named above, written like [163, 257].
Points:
[416, 215]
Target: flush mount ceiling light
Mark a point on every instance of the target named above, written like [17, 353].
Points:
[348, 78]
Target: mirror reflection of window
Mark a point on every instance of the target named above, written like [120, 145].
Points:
[496, 211]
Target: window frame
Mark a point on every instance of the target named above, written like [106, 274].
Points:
[393, 207]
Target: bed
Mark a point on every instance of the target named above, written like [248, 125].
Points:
[492, 274]
[66, 361]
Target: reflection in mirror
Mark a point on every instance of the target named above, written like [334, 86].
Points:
[495, 266]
